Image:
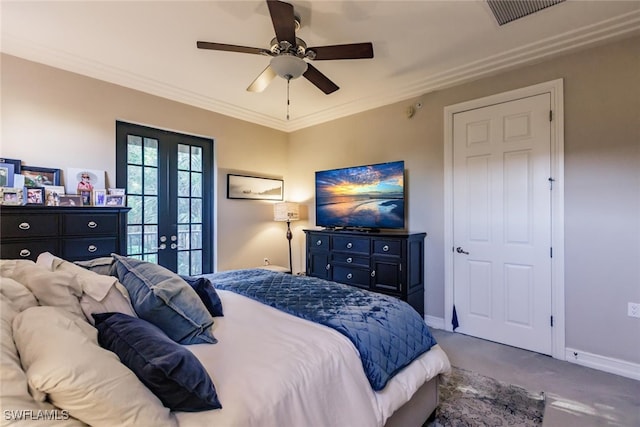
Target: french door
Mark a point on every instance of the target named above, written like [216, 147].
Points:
[168, 179]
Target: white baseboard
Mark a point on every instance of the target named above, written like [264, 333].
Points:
[434, 322]
[603, 363]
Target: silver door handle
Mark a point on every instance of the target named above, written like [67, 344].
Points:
[461, 251]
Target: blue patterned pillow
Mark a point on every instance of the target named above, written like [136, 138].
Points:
[161, 297]
[169, 370]
[207, 293]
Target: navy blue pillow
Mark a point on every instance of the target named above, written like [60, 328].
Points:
[207, 293]
[169, 370]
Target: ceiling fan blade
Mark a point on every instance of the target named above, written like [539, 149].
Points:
[283, 20]
[320, 80]
[343, 51]
[262, 81]
[231, 48]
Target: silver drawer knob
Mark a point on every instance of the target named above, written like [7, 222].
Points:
[24, 226]
[349, 260]
[24, 253]
[349, 245]
[385, 248]
[92, 248]
[349, 276]
[319, 242]
[92, 224]
[373, 273]
[328, 267]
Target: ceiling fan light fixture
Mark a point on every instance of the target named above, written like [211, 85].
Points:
[288, 66]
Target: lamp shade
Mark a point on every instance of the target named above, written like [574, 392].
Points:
[286, 211]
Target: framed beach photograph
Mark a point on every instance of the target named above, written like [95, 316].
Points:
[12, 196]
[7, 170]
[253, 187]
[35, 195]
[39, 177]
[52, 194]
[78, 180]
[99, 197]
[70, 200]
[114, 200]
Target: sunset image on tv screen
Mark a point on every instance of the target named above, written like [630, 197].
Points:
[369, 196]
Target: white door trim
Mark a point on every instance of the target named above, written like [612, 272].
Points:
[555, 88]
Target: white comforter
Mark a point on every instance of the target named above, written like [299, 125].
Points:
[274, 369]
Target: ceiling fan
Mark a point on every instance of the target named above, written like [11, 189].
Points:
[288, 52]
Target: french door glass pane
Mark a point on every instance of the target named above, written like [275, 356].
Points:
[142, 191]
[189, 209]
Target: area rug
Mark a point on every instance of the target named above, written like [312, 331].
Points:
[470, 399]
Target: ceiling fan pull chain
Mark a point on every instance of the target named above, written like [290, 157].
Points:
[288, 83]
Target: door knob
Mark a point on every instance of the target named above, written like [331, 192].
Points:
[461, 251]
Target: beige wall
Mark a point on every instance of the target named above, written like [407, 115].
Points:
[53, 118]
[48, 114]
[602, 181]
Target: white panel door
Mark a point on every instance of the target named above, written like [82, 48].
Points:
[502, 222]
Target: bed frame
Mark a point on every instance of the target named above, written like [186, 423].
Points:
[420, 409]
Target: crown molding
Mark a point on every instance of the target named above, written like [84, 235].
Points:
[617, 27]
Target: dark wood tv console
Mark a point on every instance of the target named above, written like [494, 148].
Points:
[390, 263]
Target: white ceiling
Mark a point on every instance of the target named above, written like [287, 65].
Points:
[419, 46]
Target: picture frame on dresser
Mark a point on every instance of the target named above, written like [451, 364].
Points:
[15, 162]
[52, 194]
[35, 195]
[12, 196]
[7, 171]
[99, 197]
[71, 200]
[38, 177]
[115, 200]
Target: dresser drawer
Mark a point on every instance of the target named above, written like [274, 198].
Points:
[346, 258]
[90, 224]
[85, 248]
[29, 225]
[387, 247]
[28, 249]
[351, 244]
[318, 241]
[352, 276]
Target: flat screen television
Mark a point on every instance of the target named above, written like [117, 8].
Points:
[361, 197]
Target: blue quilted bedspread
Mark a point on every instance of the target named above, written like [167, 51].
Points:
[387, 332]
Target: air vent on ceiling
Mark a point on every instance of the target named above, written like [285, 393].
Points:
[510, 10]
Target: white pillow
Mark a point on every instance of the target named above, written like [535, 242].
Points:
[100, 293]
[54, 288]
[62, 359]
[8, 265]
[17, 294]
[46, 260]
[14, 393]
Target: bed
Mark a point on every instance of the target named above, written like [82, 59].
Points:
[268, 364]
